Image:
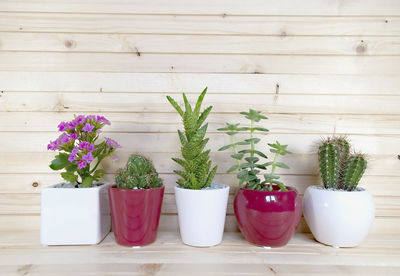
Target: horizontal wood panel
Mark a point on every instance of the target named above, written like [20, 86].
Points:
[189, 24]
[300, 144]
[200, 44]
[170, 122]
[382, 225]
[303, 164]
[186, 269]
[194, 83]
[253, 7]
[123, 102]
[29, 204]
[34, 182]
[199, 63]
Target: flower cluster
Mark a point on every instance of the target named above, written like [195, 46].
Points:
[78, 148]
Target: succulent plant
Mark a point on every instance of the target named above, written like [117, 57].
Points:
[139, 173]
[197, 173]
[339, 169]
[248, 171]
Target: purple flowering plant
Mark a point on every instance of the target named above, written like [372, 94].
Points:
[80, 152]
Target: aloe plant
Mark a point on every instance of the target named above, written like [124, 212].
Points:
[339, 169]
[139, 173]
[197, 173]
[248, 160]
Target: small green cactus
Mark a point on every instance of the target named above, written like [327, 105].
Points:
[139, 173]
[339, 169]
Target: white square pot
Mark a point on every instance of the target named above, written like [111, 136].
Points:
[71, 216]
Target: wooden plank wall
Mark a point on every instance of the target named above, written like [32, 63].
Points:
[316, 68]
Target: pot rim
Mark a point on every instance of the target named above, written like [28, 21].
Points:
[113, 187]
[98, 186]
[203, 190]
[290, 190]
[323, 189]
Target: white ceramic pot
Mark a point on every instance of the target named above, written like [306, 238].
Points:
[338, 218]
[72, 216]
[202, 214]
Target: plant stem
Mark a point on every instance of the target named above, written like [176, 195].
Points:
[273, 165]
[235, 150]
[251, 136]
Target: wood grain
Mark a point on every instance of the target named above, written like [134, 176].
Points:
[205, 24]
[252, 7]
[200, 44]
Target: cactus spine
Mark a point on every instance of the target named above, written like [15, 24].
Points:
[139, 173]
[339, 169]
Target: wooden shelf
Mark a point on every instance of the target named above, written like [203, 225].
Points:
[22, 254]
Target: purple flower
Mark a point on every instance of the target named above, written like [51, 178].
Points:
[103, 120]
[62, 126]
[75, 151]
[63, 139]
[71, 158]
[112, 143]
[74, 136]
[88, 157]
[80, 119]
[71, 125]
[83, 145]
[82, 164]
[53, 145]
[90, 147]
[88, 127]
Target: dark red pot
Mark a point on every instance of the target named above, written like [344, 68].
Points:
[135, 214]
[268, 218]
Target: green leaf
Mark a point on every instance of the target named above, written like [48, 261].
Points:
[60, 162]
[254, 151]
[282, 165]
[237, 156]
[199, 102]
[175, 105]
[261, 129]
[254, 140]
[252, 159]
[87, 182]
[233, 168]
[271, 176]
[99, 174]
[225, 147]
[69, 177]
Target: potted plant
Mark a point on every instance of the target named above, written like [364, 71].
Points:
[267, 211]
[339, 214]
[201, 204]
[135, 202]
[77, 211]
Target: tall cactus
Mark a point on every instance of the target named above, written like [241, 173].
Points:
[339, 169]
[356, 166]
[139, 173]
[329, 163]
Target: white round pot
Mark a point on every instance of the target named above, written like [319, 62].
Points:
[338, 218]
[201, 214]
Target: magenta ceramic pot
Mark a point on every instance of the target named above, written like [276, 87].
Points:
[268, 218]
[135, 214]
